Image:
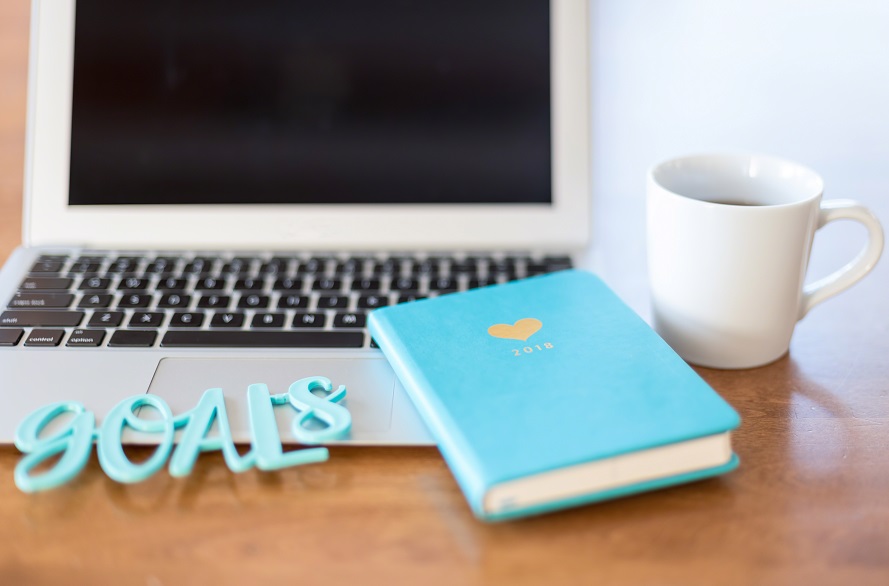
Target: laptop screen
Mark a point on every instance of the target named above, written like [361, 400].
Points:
[311, 102]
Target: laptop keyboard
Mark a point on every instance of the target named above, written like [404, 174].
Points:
[265, 301]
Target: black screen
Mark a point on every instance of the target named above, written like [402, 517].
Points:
[320, 101]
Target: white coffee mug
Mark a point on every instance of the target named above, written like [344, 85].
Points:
[729, 238]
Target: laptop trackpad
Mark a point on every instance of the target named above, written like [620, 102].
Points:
[370, 386]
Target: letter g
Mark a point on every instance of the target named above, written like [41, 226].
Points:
[74, 441]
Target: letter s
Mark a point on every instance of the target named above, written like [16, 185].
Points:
[337, 417]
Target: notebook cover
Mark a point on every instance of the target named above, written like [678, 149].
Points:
[591, 381]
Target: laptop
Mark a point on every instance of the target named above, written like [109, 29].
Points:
[218, 192]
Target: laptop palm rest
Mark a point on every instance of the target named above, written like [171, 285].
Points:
[374, 396]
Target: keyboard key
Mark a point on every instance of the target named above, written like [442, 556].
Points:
[234, 269]
[80, 268]
[238, 265]
[261, 339]
[506, 265]
[122, 276]
[469, 265]
[94, 300]
[372, 301]
[161, 264]
[366, 284]
[199, 265]
[410, 296]
[95, 284]
[174, 300]
[227, 320]
[350, 266]
[106, 319]
[308, 320]
[171, 284]
[124, 264]
[327, 285]
[214, 301]
[443, 284]
[48, 257]
[45, 283]
[132, 284]
[287, 284]
[313, 265]
[333, 302]
[277, 264]
[209, 284]
[349, 320]
[564, 261]
[88, 263]
[253, 301]
[268, 320]
[186, 319]
[387, 267]
[47, 266]
[426, 267]
[132, 339]
[292, 301]
[249, 284]
[41, 300]
[86, 338]
[404, 284]
[477, 282]
[41, 318]
[10, 337]
[139, 300]
[45, 338]
[146, 319]
[536, 268]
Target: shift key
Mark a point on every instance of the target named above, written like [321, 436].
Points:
[43, 300]
[41, 318]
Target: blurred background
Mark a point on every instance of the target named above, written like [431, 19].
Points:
[806, 80]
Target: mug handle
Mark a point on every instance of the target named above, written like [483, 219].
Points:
[862, 264]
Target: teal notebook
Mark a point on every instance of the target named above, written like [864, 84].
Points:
[550, 392]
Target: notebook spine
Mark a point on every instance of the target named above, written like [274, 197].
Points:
[453, 446]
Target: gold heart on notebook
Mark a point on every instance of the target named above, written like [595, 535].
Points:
[520, 330]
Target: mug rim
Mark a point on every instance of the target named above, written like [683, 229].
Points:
[817, 190]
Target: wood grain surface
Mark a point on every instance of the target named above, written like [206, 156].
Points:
[809, 504]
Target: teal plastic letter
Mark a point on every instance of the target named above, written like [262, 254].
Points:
[337, 417]
[266, 442]
[111, 456]
[194, 438]
[75, 441]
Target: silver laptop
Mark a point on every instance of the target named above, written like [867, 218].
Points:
[217, 193]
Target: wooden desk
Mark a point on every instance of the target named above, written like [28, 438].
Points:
[809, 504]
